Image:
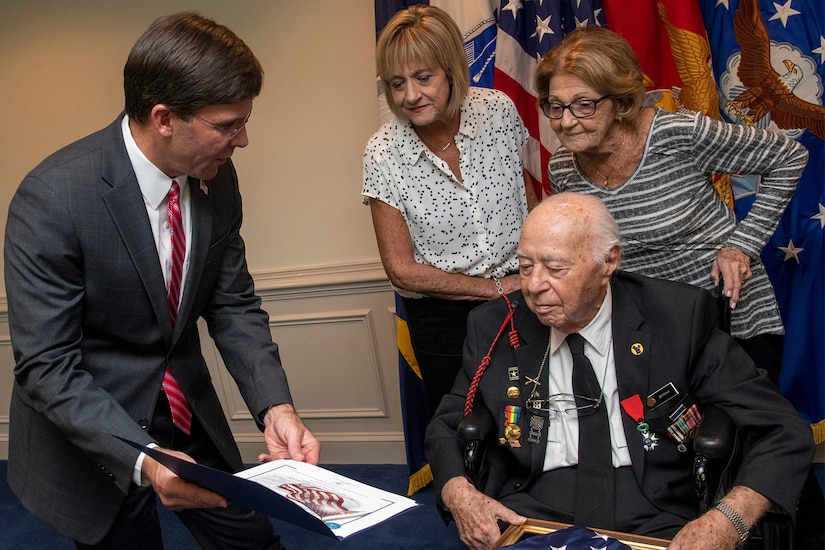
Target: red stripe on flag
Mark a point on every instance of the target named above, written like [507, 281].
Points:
[524, 100]
[528, 111]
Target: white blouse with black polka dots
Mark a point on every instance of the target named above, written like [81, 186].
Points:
[471, 227]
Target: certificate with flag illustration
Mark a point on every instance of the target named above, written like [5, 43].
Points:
[344, 505]
[308, 496]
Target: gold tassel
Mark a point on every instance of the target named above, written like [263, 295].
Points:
[819, 431]
[420, 479]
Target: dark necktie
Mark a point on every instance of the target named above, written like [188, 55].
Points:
[181, 413]
[594, 490]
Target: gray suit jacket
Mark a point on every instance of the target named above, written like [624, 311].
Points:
[91, 332]
[675, 325]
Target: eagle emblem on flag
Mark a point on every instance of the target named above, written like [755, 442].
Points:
[768, 91]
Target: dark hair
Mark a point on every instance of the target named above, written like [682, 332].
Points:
[602, 59]
[186, 62]
[423, 34]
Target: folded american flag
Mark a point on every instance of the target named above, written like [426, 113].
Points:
[570, 538]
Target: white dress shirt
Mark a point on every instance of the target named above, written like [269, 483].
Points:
[563, 429]
[154, 186]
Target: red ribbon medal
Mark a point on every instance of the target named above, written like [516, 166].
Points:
[635, 410]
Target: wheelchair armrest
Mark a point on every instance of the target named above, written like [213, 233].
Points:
[472, 435]
[716, 435]
[475, 426]
[714, 445]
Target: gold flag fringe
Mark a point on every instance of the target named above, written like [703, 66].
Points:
[420, 479]
[819, 431]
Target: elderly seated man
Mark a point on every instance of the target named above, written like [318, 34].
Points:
[596, 398]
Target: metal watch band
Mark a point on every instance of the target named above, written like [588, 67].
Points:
[735, 519]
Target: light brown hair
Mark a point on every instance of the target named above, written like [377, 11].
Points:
[603, 60]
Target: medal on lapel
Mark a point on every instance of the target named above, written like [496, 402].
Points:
[685, 420]
[536, 427]
[512, 431]
[635, 410]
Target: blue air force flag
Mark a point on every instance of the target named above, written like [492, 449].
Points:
[769, 63]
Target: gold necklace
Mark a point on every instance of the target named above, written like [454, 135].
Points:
[612, 166]
[439, 149]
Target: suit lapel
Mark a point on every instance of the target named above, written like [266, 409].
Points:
[631, 348]
[125, 204]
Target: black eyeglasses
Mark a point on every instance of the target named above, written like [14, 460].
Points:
[225, 128]
[566, 403]
[581, 108]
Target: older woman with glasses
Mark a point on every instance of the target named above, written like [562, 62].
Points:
[445, 184]
[653, 169]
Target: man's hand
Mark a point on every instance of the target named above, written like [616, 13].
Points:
[476, 515]
[713, 530]
[175, 493]
[287, 437]
[734, 266]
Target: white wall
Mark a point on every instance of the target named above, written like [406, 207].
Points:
[310, 243]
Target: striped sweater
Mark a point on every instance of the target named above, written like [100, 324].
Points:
[672, 220]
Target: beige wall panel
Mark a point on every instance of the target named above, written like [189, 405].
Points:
[335, 327]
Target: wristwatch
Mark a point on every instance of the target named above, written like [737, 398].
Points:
[735, 519]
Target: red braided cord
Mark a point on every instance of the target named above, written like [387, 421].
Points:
[471, 393]
[512, 335]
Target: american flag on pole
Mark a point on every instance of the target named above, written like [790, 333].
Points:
[528, 29]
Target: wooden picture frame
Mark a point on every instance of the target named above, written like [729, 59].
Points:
[515, 533]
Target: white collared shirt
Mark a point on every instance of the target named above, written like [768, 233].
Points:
[470, 226]
[563, 429]
[154, 186]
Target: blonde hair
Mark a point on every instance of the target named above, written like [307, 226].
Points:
[423, 34]
[602, 59]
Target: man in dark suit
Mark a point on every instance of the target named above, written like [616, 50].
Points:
[658, 361]
[99, 310]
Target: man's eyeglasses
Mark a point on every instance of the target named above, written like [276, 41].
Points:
[225, 128]
[581, 108]
[565, 403]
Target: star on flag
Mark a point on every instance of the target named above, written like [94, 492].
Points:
[791, 251]
[820, 217]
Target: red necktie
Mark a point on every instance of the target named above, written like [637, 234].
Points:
[181, 413]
